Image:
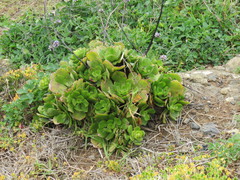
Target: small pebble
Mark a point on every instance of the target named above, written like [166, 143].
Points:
[194, 126]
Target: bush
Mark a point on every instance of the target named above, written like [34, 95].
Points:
[108, 92]
[22, 92]
[191, 33]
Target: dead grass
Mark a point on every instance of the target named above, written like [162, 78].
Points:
[58, 154]
[16, 8]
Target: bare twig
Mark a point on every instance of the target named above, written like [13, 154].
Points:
[154, 32]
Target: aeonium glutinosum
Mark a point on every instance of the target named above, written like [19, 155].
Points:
[109, 92]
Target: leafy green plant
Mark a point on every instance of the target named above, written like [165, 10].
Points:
[168, 92]
[107, 96]
[227, 149]
[191, 33]
[22, 108]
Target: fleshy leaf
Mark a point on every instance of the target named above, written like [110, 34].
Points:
[176, 88]
[113, 54]
[78, 115]
[95, 43]
[63, 76]
[60, 119]
[56, 87]
[93, 56]
[111, 67]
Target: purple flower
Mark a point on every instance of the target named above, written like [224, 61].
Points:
[54, 45]
[100, 10]
[157, 34]
[126, 0]
[58, 21]
[163, 57]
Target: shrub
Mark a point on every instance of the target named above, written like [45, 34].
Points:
[23, 91]
[108, 93]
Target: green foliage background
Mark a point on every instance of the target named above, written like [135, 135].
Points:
[192, 33]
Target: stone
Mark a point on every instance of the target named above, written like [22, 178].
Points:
[224, 91]
[219, 68]
[212, 77]
[210, 129]
[199, 78]
[194, 126]
[233, 64]
[186, 121]
[230, 100]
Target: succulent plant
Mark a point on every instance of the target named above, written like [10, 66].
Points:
[109, 92]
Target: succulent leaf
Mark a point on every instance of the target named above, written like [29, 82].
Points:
[103, 106]
[113, 54]
[93, 56]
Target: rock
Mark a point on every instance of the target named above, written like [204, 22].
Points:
[224, 91]
[219, 68]
[233, 64]
[230, 100]
[194, 126]
[210, 129]
[186, 121]
[212, 77]
[199, 78]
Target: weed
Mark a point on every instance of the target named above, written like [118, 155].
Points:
[227, 149]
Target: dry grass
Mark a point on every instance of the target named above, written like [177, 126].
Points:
[58, 154]
[16, 8]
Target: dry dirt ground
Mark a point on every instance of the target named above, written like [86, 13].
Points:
[14, 9]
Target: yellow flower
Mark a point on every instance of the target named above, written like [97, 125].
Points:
[23, 135]
[172, 177]
[230, 145]
[15, 97]
[200, 167]
[76, 174]
[227, 172]
[2, 177]
[221, 168]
